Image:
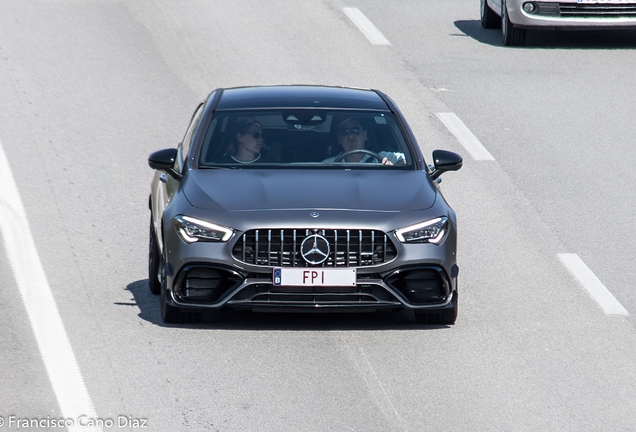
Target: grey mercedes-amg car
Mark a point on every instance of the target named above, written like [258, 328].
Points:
[301, 198]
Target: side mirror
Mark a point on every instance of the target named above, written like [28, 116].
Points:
[443, 161]
[163, 160]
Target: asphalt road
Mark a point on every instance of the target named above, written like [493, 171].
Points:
[89, 88]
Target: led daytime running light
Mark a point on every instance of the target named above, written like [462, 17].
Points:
[437, 223]
[188, 227]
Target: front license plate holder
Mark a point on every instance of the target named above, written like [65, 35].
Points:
[313, 277]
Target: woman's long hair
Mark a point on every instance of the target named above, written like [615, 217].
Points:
[241, 126]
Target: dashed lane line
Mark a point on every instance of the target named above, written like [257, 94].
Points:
[367, 28]
[592, 284]
[465, 137]
[56, 351]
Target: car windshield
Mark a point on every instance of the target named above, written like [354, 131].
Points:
[305, 138]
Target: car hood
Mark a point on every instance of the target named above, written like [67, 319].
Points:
[235, 190]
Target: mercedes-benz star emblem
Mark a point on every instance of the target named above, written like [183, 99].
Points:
[315, 249]
[314, 214]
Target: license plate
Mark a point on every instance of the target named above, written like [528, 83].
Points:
[314, 277]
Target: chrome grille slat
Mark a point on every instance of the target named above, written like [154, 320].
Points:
[385, 239]
[244, 245]
[372, 247]
[335, 248]
[347, 248]
[256, 248]
[282, 246]
[293, 258]
[359, 247]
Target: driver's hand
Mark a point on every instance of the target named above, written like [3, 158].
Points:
[385, 161]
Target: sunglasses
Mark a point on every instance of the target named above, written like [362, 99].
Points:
[256, 134]
[346, 131]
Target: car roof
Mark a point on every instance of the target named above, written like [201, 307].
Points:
[300, 96]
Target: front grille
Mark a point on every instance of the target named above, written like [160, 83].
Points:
[282, 247]
[588, 10]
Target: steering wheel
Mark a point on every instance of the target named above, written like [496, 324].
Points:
[341, 157]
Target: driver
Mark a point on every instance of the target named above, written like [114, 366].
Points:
[351, 136]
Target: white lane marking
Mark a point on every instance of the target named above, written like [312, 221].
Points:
[367, 28]
[48, 328]
[592, 284]
[465, 137]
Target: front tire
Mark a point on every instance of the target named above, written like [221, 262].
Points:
[444, 317]
[489, 19]
[169, 313]
[172, 314]
[510, 35]
[154, 261]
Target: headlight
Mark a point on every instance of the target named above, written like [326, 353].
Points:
[192, 230]
[432, 231]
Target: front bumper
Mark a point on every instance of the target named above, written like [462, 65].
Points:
[207, 286]
[573, 14]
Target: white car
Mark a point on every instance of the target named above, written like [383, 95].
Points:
[515, 17]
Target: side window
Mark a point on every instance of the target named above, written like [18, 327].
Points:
[184, 147]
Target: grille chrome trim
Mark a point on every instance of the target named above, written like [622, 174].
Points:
[359, 248]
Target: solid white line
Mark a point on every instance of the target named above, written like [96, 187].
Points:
[367, 28]
[465, 137]
[592, 284]
[48, 328]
